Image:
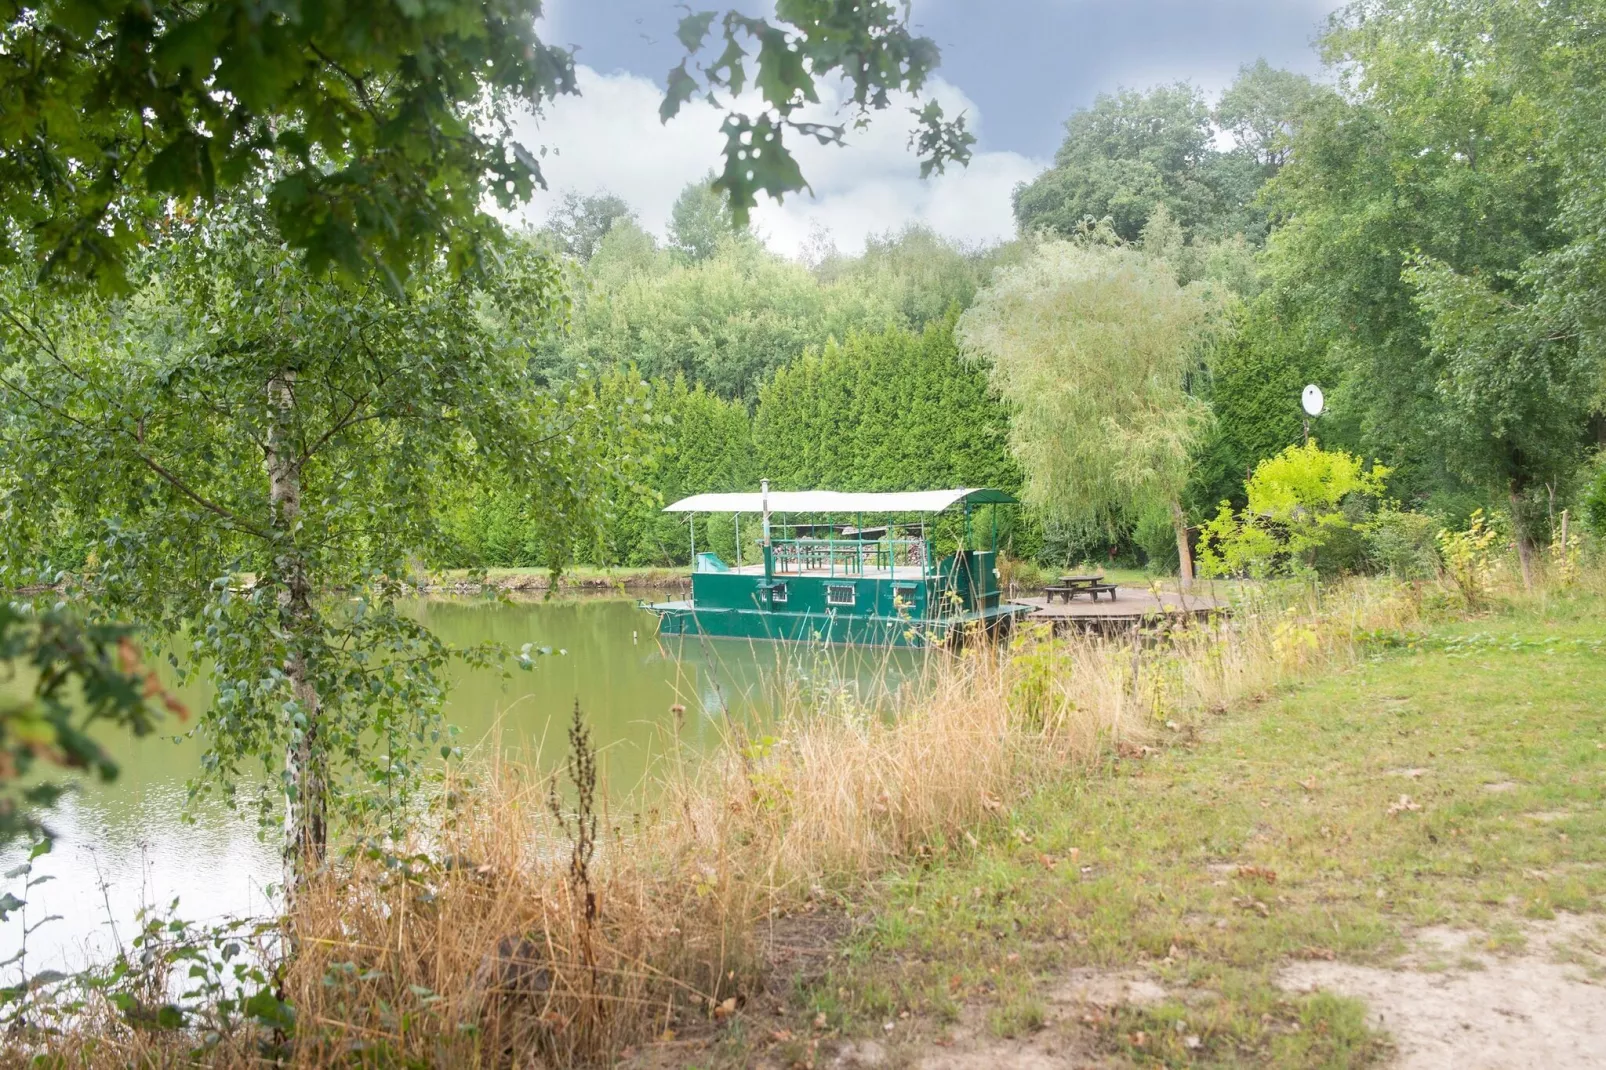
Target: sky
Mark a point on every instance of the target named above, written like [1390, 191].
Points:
[1016, 68]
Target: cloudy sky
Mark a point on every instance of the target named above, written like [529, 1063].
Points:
[1017, 68]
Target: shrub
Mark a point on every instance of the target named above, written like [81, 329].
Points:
[1469, 558]
[1307, 511]
[1404, 545]
[1594, 501]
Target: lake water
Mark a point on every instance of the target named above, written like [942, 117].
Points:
[125, 844]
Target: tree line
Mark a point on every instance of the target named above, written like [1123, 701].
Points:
[260, 340]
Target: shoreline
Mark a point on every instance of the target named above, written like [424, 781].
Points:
[457, 581]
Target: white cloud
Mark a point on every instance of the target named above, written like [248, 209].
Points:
[610, 138]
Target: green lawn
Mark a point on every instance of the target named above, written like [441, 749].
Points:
[1457, 780]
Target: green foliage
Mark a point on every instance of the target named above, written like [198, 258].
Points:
[1402, 544]
[1595, 498]
[381, 131]
[687, 441]
[1469, 558]
[867, 44]
[1257, 370]
[76, 675]
[578, 224]
[1513, 396]
[242, 436]
[700, 221]
[916, 275]
[1307, 510]
[1132, 151]
[725, 323]
[1121, 157]
[1421, 242]
[1261, 110]
[886, 412]
[1091, 348]
[883, 412]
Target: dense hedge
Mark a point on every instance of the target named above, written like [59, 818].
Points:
[895, 410]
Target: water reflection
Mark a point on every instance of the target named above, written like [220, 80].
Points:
[126, 844]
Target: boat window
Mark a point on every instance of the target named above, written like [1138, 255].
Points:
[778, 594]
[903, 596]
[839, 594]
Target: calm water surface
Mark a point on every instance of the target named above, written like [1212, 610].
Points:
[127, 844]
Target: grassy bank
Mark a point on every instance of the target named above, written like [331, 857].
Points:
[1196, 803]
[1451, 776]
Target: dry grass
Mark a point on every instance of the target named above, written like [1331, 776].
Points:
[477, 946]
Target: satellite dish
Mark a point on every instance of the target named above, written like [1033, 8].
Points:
[1312, 400]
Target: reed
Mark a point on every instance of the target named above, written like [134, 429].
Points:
[510, 935]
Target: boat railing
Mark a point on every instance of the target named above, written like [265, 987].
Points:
[847, 557]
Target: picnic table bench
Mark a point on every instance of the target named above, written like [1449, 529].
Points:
[1070, 586]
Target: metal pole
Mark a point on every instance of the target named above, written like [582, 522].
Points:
[765, 548]
[764, 493]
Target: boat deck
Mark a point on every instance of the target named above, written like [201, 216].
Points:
[900, 572]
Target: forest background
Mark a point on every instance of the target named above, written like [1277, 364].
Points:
[1413, 236]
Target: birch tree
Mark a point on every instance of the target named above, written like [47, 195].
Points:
[255, 452]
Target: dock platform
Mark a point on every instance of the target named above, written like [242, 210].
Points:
[1133, 607]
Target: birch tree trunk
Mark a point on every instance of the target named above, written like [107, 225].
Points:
[306, 794]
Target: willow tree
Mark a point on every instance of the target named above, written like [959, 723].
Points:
[255, 453]
[1092, 346]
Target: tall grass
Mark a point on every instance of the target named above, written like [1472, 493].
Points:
[499, 938]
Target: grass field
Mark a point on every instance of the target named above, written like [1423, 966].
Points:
[1453, 778]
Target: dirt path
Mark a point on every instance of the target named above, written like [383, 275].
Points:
[1454, 1004]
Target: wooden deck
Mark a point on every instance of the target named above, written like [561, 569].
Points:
[1133, 606]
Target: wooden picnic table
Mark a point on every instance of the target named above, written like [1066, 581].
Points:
[1071, 586]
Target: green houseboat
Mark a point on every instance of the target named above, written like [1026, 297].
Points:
[823, 578]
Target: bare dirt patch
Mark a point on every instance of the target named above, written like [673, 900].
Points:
[1062, 1041]
[1455, 1004]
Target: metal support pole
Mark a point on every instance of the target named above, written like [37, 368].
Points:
[764, 492]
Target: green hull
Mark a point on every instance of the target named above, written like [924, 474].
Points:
[684, 618]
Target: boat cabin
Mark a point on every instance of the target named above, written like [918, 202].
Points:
[820, 576]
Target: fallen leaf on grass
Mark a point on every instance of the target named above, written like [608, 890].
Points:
[1405, 804]
[1258, 873]
[725, 1009]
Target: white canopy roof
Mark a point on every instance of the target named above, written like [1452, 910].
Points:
[835, 501]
